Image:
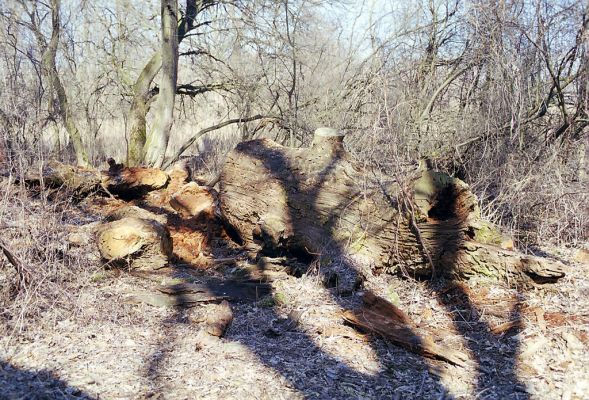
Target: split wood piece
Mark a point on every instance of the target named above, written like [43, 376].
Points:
[505, 326]
[269, 269]
[192, 200]
[384, 319]
[190, 294]
[304, 200]
[136, 212]
[142, 244]
[164, 300]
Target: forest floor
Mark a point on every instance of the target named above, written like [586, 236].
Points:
[76, 335]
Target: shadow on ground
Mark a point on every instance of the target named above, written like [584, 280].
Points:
[18, 383]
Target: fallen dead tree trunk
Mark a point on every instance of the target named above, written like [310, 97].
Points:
[313, 199]
[119, 180]
[191, 294]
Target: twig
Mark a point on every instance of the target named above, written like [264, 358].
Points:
[23, 273]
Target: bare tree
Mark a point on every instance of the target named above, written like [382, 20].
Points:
[57, 96]
[157, 141]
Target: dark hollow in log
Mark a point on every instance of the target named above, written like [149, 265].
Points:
[313, 199]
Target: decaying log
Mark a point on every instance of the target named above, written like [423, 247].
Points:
[219, 319]
[192, 200]
[163, 300]
[142, 243]
[133, 182]
[312, 199]
[76, 179]
[240, 291]
[136, 212]
[125, 182]
[380, 317]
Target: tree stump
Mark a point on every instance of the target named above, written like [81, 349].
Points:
[309, 200]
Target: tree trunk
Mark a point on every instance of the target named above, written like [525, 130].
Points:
[143, 95]
[317, 200]
[157, 141]
[139, 109]
[56, 87]
[125, 182]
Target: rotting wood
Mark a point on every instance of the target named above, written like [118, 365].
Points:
[218, 320]
[134, 181]
[163, 300]
[192, 200]
[139, 243]
[304, 201]
[188, 294]
[384, 319]
[240, 291]
[125, 182]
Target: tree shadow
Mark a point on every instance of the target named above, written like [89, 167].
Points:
[18, 383]
[494, 350]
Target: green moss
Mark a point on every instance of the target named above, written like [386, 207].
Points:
[487, 233]
[267, 302]
[278, 299]
[98, 277]
[393, 297]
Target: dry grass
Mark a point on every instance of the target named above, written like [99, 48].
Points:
[36, 231]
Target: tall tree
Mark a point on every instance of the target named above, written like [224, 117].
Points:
[173, 31]
[56, 90]
[157, 141]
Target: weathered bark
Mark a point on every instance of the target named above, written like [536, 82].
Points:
[157, 141]
[126, 182]
[55, 87]
[141, 244]
[316, 199]
[134, 181]
[139, 109]
[143, 95]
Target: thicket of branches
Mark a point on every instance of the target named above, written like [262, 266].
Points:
[495, 92]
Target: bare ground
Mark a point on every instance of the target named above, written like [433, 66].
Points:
[73, 334]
